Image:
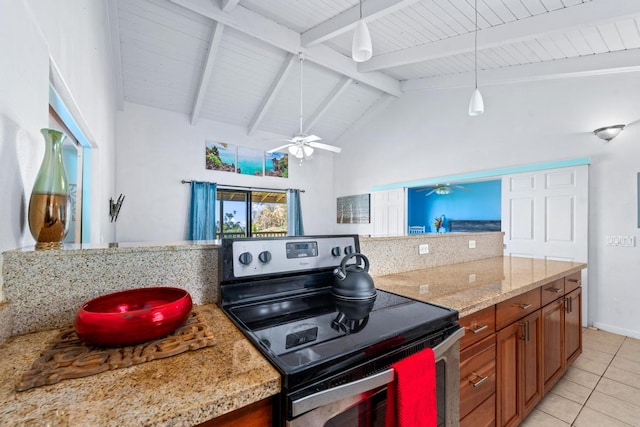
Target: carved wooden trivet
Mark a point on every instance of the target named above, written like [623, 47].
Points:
[67, 357]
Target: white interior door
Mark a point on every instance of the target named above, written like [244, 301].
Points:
[388, 212]
[545, 215]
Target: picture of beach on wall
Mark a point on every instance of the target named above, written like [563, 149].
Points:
[277, 164]
[220, 156]
[250, 161]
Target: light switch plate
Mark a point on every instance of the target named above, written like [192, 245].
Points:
[472, 244]
[423, 249]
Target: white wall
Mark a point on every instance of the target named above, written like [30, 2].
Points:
[73, 33]
[426, 134]
[156, 149]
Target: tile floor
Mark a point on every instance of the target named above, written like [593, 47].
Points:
[600, 389]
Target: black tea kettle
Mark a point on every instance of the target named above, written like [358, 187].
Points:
[353, 282]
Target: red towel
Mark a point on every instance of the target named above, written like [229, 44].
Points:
[411, 398]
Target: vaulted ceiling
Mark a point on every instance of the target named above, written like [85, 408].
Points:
[236, 61]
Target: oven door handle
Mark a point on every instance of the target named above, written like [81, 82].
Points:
[325, 397]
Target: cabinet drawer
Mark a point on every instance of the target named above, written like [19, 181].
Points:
[517, 307]
[572, 281]
[552, 291]
[478, 326]
[477, 374]
[483, 416]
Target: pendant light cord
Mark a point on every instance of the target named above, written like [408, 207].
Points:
[360, 9]
[475, 59]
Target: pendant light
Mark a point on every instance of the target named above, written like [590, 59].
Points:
[476, 105]
[361, 49]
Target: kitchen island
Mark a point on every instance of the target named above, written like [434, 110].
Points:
[523, 323]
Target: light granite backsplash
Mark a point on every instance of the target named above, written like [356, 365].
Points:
[44, 288]
[389, 255]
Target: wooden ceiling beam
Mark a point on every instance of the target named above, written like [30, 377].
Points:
[256, 25]
[585, 14]
[347, 20]
[270, 97]
[216, 37]
[338, 89]
[604, 63]
[228, 5]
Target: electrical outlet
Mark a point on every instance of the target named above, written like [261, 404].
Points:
[625, 241]
[424, 289]
[472, 278]
[472, 244]
[423, 249]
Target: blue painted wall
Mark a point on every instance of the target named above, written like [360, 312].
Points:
[481, 201]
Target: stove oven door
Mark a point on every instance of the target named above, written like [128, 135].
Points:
[362, 403]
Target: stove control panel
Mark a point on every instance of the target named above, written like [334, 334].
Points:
[256, 257]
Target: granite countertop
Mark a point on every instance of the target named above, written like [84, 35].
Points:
[471, 286]
[182, 390]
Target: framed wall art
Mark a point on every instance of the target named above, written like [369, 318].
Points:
[353, 209]
[220, 156]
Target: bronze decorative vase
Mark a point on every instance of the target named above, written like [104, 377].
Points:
[50, 205]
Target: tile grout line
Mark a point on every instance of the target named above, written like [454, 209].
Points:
[596, 386]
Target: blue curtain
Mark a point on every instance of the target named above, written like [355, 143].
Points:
[202, 211]
[294, 214]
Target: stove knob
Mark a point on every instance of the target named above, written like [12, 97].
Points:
[245, 258]
[264, 257]
[335, 251]
[348, 250]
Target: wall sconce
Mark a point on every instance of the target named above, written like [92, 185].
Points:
[608, 132]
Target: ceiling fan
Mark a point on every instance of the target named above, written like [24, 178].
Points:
[442, 189]
[302, 145]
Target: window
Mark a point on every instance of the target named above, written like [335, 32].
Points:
[250, 213]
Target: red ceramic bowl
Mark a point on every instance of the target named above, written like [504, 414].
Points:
[133, 316]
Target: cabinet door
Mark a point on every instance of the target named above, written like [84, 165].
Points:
[531, 362]
[508, 412]
[573, 325]
[553, 343]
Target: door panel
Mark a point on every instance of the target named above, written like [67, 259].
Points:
[545, 215]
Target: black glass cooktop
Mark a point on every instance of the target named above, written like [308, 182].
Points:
[312, 334]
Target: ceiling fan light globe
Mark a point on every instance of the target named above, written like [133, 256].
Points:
[293, 149]
[308, 151]
[361, 47]
[476, 104]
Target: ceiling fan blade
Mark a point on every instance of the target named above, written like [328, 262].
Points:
[323, 146]
[311, 138]
[430, 193]
[282, 147]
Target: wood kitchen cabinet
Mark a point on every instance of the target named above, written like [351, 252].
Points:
[535, 335]
[258, 414]
[553, 342]
[573, 325]
[518, 369]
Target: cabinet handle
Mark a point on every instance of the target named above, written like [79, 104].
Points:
[526, 336]
[568, 304]
[555, 290]
[524, 306]
[479, 329]
[480, 381]
[574, 280]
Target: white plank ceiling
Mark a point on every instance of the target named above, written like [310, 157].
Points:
[236, 61]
